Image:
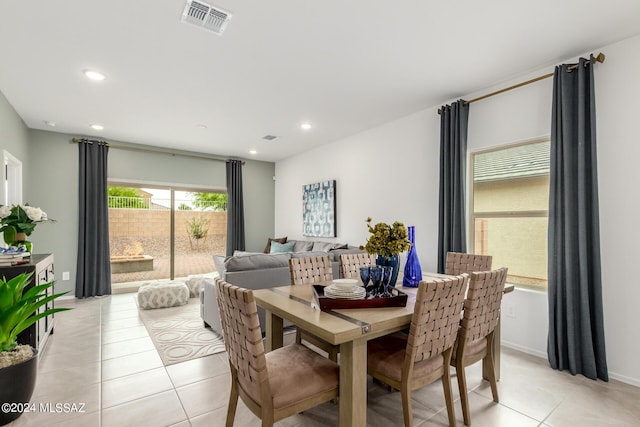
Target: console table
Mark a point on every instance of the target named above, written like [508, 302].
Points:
[41, 268]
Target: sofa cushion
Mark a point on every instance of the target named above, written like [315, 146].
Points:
[258, 261]
[335, 253]
[278, 248]
[322, 246]
[302, 246]
[218, 261]
[267, 249]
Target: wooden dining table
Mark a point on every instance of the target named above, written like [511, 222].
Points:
[348, 328]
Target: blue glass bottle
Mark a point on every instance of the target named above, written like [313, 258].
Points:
[412, 269]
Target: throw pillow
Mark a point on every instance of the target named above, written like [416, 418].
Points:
[267, 248]
[322, 246]
[277, 248]
[340, 246]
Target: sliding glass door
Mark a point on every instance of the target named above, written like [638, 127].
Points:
[163, 233]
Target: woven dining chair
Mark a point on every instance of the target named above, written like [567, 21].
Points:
[458, 263]
[277, 384]
[350, 264]
[307, 271]
[310, 270]
[410, 362]
[476, 333]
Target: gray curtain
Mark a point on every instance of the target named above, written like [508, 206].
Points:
[576, 329]
[235, 207]
[93, 273]
[453, 163]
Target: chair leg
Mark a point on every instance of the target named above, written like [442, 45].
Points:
[464, 397]
[448, 396]
[233, 403]
[298, 336]
[407, 410]
[333, 354]
[488, 360]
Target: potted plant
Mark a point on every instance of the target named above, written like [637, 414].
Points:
[387, 241]
[17, 222]
[19, 363]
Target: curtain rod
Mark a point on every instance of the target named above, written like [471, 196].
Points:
[600, 58]
[149, 150]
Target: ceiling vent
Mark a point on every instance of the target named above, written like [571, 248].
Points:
[269, 137]
[205, 16]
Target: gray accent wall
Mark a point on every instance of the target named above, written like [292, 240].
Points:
[53, 185]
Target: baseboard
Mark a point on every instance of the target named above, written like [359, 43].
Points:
[524, 349]
[624, 379]
[612, 375]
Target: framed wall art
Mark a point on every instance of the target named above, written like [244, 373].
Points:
[319, 209]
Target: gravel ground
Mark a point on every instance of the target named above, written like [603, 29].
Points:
[191, 258]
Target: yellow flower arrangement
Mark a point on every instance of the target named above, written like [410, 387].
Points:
[387, 240]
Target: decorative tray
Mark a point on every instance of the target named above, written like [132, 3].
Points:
[399, 299]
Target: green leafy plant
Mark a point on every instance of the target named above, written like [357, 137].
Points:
[387, 240]
[19, 219]
[210, 201]
[198, 227]
[127, 198]
[19, 308]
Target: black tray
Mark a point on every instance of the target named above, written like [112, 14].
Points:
[399, 299]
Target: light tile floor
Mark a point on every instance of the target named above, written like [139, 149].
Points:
[101, 357]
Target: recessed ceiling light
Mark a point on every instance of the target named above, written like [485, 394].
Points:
[94, 75]
[49, 123]
[201, 126]
[305, 126]
[253, 152]
[96, 127]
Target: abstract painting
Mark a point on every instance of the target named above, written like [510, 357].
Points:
[319, 209]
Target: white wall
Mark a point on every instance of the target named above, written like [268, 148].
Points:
[388, 173]
[391, 172]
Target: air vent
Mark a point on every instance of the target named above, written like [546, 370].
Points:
[205, 16]
[269, 137]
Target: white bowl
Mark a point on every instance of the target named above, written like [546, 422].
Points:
[345, 283]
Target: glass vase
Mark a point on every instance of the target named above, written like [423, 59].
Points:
[392, 261]
[412, 269]
[21, 240]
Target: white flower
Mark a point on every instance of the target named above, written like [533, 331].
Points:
[5, 211]
[34, 214]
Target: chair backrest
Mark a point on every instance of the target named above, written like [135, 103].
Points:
[458, 263]
[350, 264]
[436, 316]
[310, 270]
[243, 338]
[482, 306]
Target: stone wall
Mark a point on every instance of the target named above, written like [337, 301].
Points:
[156, 223]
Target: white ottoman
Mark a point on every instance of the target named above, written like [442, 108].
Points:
[161, 295]
[196, 283]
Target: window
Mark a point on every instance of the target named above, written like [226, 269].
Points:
[510, 208]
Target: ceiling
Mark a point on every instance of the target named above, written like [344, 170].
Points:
[343, 66]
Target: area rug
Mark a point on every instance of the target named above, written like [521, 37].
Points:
[178, 333]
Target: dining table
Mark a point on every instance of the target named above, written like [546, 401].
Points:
[350, 329]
